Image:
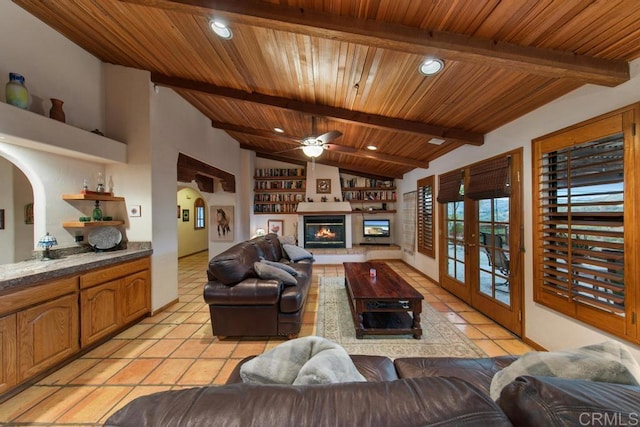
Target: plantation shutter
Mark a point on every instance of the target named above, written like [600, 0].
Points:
[450, 187]
[425, 216]
[489, 179]
[582, 194]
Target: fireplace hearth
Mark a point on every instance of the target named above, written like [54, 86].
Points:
[327, 231]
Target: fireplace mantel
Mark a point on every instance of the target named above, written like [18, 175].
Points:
[309, 208]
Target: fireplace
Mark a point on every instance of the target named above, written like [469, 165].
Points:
[327, 231]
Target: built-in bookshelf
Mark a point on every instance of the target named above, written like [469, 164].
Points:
[278, 190]
[369, 194]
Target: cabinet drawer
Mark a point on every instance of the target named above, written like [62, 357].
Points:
[17, 300]
[107, 274]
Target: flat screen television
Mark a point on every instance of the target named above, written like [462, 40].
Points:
[376, 228]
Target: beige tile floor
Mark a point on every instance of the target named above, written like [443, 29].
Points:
[175, 349]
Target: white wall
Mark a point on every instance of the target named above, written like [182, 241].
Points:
[542, 325]
[53, 67]
[190, 240]
[7, 235]
[22, 195]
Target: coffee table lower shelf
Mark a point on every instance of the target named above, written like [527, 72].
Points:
[388, 324]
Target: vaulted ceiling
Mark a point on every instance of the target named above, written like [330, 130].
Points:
[311, 66]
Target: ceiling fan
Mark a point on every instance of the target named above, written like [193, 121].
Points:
[314, 145]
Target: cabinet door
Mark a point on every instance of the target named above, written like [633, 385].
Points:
[8, 359]
[135, 296]
[100, 313]
[47, 334]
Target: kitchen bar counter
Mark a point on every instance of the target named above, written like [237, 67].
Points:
[35, 271]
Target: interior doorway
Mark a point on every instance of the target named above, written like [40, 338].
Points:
[193, 224]
[481, 229]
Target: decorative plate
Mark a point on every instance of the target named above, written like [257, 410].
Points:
[105, 237]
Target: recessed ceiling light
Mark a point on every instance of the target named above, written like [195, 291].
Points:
[279, 130]
[372, 147]
[436, 141]
[221, 29]
[431, 66]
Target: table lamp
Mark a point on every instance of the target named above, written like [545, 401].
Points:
[46, 242]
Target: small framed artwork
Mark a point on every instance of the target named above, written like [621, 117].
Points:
[28, 213]
[1, 219]
[185, 215]
[276, 226]
[135, 210]
[222, 223]
[178, 211]
[323, 186]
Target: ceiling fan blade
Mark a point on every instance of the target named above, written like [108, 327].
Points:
[340, 148]
[329, 136]
[289, 149]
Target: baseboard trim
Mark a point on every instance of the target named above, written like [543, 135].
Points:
[164, 307]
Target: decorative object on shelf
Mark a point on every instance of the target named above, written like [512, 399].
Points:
[222, 223]
[337, 199]
[16, 92]
[259, 232]
[110, 184]
[185, 215]
[85, 185]
[84, 219]
[100, 187]
[46, 242]
[309, 199]
[323, 198]
[104, 238]
[276, 226]
[97, 132]
[28, 213]
[97, 212]
[135, 210]
[56, 112]
[323, 186]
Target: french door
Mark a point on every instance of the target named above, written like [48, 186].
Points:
[481, 237]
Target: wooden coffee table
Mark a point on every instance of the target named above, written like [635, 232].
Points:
[381, 305]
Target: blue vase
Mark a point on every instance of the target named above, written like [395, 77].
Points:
[16, 92]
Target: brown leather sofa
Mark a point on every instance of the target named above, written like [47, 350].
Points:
[242, 304]
[405, 392]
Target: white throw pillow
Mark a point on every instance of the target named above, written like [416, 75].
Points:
[281, 266]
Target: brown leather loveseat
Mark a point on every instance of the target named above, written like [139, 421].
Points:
[405, 392]
[243, 304]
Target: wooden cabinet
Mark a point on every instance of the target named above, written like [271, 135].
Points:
[111, 298]
[8, 356]
[46, 324]
[47, 335]
[278, 190]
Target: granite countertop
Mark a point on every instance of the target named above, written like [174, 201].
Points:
[28, 272]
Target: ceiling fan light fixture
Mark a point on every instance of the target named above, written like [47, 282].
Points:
[312, 150]
[221, 29]
[431, 66]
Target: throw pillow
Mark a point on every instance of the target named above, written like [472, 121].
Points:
[281, 266]
[268, 272]
[296, 253]
[605, 362]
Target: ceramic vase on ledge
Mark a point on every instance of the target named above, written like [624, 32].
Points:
[16, 92]
[56, 112]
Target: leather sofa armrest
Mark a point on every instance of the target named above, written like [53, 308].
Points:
[547, 401]
[252, 291]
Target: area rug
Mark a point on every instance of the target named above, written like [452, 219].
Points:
[439, 336]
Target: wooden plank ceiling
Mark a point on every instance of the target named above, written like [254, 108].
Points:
[352, 66]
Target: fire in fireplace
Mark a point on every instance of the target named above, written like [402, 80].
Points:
[324, 231]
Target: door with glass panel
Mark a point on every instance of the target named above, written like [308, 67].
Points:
[483, 262]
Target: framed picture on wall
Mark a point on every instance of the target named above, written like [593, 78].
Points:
[323, 186]
[28, 213]
[185, 215]
[276, 226]
[178, 211]
[222, 225]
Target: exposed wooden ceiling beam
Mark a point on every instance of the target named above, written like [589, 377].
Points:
[458, 47]
[286, 157]
[189, 169]
[339, 114]
[348, 151]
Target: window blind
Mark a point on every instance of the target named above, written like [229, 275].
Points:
[450, 185]
[425, 216]
[489, 179]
